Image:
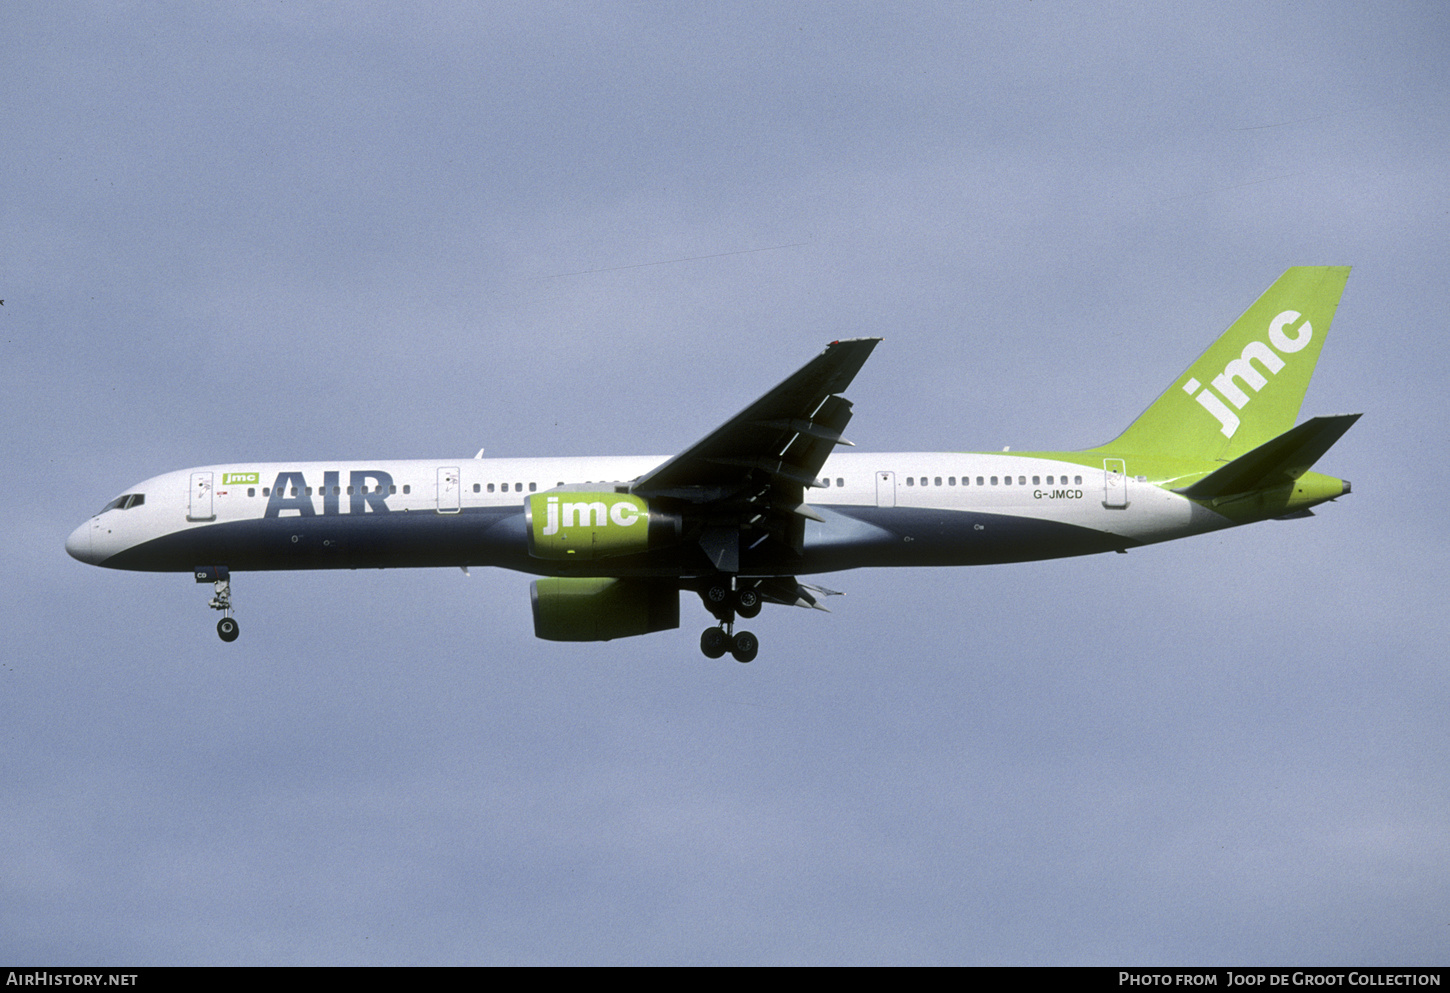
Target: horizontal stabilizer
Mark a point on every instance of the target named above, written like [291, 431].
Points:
[1275, 462]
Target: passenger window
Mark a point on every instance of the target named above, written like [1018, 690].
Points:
[1036, 480]
[533, 487]
[490, 487]
[1077, 480]
[951, 480]
[266, 491]
[994, 480]
[518, 487]
[475, 487]
[910, 480]
[938, 481]
[840, 481]
[1006, 480]
[1021, 480]
[979, 480]
[251, 491]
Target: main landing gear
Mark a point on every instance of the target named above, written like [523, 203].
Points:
[217, 575]
[725, 602]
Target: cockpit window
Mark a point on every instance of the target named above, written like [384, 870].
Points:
[125, 502]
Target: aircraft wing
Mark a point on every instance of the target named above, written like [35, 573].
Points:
[754, 468]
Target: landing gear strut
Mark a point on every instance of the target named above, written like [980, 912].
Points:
[725, 602]
[226, 628]
[217, 575]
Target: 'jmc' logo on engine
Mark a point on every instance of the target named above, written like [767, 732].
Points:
[586, 525]
[590, 513]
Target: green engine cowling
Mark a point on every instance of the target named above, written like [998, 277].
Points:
[568, 526]
[578, 609]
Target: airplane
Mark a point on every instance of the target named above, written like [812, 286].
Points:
[738, 517]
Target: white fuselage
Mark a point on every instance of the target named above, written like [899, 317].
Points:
[966, 507]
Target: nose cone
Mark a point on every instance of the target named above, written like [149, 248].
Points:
[79, 544]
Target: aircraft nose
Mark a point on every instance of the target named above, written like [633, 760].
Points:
[79, 544]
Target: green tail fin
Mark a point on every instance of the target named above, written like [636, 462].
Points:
[1248, 387]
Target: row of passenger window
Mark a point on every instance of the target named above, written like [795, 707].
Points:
[122, 502]
[336, 490]
[339, 490]
[991, 481]
[504, 487]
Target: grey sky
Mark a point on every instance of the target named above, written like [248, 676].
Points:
[280, 231]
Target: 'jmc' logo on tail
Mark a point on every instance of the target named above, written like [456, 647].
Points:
[1242, 369]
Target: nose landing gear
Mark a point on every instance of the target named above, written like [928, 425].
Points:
[217, 575]
[226, 629]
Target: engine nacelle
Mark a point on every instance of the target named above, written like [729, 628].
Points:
[565, 525]
[574, 609]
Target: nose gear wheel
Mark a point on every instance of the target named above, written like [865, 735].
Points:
[226, 628]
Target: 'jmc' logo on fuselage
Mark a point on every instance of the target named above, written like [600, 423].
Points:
[1242, 369]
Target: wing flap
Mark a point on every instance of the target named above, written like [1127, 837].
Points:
[789, 591]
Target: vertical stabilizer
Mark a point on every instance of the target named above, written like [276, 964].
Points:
[1248, 387]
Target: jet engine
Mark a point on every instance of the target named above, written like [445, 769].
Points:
[576, 609]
